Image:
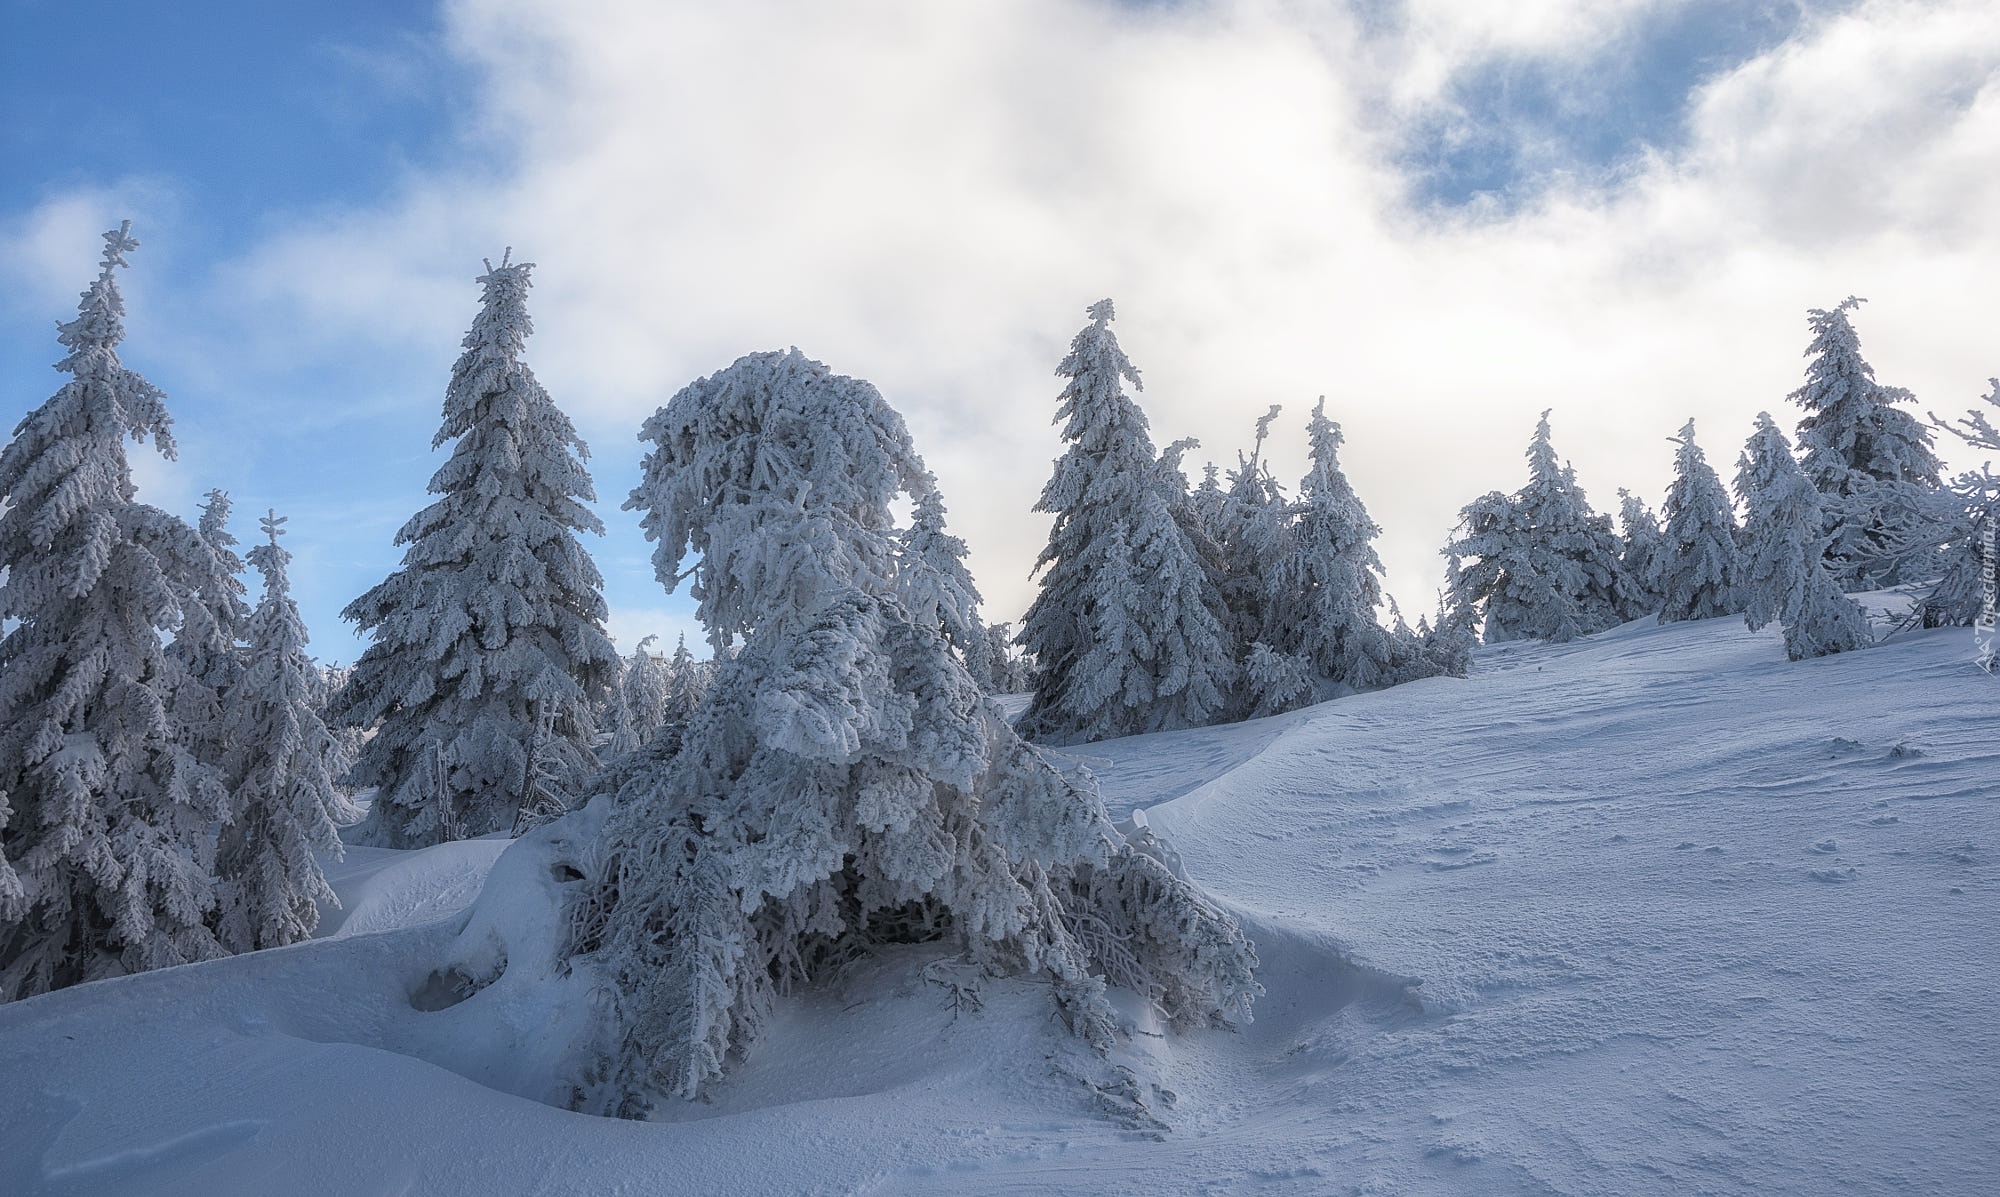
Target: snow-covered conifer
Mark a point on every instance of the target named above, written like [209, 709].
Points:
[1784, 575]
[1965, 510]
[938, 586]
[1000, 669]
[1323, 590]
[284, 804]
[217, 663]
[1255, 538]
[1278, 681]
[1110, 474]
[641, 702]
[845, 782]
[205, 643]
[1437, 647]
[106, 852]
[687, 682]
[1538, 564]
[1210, 502]
[1871, 460]
[1698, 558]
[1641, 546]
[488, 641]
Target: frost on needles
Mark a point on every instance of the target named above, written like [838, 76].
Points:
[845, 781]
[488, 643]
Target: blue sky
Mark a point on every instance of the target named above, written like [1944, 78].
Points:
[1444, 216]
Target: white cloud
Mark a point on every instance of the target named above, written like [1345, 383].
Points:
[49, 252]
[1437, 38]
[928, 195]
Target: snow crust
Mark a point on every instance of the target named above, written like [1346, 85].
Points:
[1654, 911]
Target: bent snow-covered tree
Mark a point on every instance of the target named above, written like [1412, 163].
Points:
[284, 806]
[1537, 564]
[1698, 557]
[106, 815]
[488, 643]
[844, 782]
[1784, 574]
[1176, 664]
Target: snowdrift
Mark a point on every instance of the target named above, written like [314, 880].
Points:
[1655, 911]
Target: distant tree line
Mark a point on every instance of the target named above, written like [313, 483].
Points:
[1864, 505]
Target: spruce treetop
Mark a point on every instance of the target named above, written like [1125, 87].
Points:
[270, 558]
[1852, 432]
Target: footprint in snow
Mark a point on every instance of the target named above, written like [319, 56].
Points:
[1824, 847]
[1883, 820]
[1834, 876]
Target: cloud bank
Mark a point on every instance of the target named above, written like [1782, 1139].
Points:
[928, 196]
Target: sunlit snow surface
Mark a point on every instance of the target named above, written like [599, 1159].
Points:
[1686, 917]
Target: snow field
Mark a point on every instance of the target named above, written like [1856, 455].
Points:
[1656, 911]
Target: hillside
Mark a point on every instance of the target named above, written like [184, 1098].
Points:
[1657, 911]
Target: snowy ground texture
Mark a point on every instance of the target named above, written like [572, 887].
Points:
[1656, 912]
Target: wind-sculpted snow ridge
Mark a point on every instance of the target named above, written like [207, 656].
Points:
[1688, 918]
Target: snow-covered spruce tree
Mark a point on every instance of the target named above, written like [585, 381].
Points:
[106, 846]
[641, 702]
[1109, 474]
[488, 642]
[845, 782]
[1966, 509]
[1322, 591]
[1210, 503]
[205, 645]
[1537, 564]
[687, 682]
[1871, 460]
[1698, 558]
[1641, 546]
[944, 592]
[1277, 681]
[1783, 575]
[284, 804]
[1002, 670]
[1255, 522]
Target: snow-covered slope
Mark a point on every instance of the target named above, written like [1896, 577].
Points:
[1654, 912]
